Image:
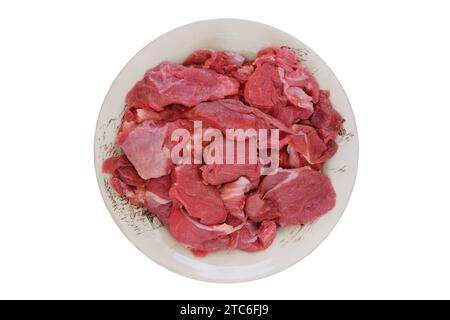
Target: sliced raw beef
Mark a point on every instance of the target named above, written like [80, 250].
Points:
[125, 180]
[326, 119]
[297, 195]
[233, 196]
[148, 146]
[169, 114]
[302, 78]
[233, 114]
[216, 174]
[264, 89]
[280, 57]
[145, 148]
[256, 236]
[258, 209]
[292, 71]
[289, 158]
[111, 164]
[224, 62]
[281, 80]
[133, 194]
[297, 97]
[170, 83]
[227, 200]
[196, 235]
[289, 114]
[157, 199]
[307, 142]
[200, 201]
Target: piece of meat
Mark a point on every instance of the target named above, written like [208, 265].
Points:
[233, 197]
[229, 63]
[289, 114]
[200, 201]
[157, 199]
[148, 146]
[111, 164]
[281, 80]
[327, 121]
[170, 83]
[280, 57]
[291, 70]
[256, 236]
[299, 196]
[195, 235]
[264, 89]
[169, 114]
[224, 62]
[216, 174]
[289, 158]
[233, 114]
[144, 147]
[258, 209]
[307, 142]
[217, 205]
[297, 96]
[302, 78]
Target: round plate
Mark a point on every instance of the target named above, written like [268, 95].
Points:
[291, 243]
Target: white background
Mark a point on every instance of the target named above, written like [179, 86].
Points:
[58, 59]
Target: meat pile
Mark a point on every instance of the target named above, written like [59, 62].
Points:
[210, 207]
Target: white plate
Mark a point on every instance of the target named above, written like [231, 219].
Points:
[291, 243]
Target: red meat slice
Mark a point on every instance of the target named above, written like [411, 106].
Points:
[280, 80]
[233, 114]
[198, 236]
[199, 200]
[148, 145]
[216, 174]
[307, 142]
[233, 197]
[111, 164]
[264, 89]
[145, 148]
[298, 196]
[170, 83]
[222, 62]
[256, 236]
[229, 63]
[289, 158]
[326, 119]
[290, 114]
[292, 71]
[169, 114]
[280, 57]
[157, 199]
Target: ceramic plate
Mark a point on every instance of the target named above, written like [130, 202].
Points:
[291, 243]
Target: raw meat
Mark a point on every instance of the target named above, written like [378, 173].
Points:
[210, 206]
[292, 196]
[200, 201]
[256, 236]
[216, 174]
[224, 62]
[157, 199]
[233, 114]
[233, 197]
[327, 121]
[307, 142]
[170, 83]
[281, 81]
[196, 235]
